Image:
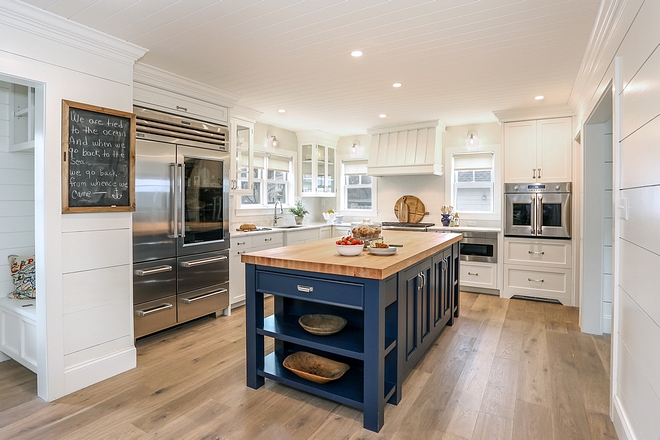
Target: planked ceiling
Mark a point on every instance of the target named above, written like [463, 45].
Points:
[457, 60]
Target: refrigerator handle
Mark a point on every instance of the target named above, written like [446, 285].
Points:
[182, 201]
[174, 199]
[539, 215]
[533, 215]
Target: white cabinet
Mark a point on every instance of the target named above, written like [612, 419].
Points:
[341, 231]
[301, 236]
[240, 245]
[538, 269]
[242, 145]
[480, 275]
[538, 151]
[18, 331]
[21, 118]
[317, 163]
[325, 232]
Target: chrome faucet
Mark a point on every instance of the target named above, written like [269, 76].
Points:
[277, 216]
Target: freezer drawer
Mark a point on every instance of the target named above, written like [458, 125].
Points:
[202, 270]
[212, 299]
[153, 280]
[153, 316]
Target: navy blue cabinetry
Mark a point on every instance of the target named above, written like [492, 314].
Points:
[391, 322]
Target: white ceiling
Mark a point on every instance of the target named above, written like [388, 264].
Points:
[458, 60]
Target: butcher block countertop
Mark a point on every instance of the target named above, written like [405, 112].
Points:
[321, 256]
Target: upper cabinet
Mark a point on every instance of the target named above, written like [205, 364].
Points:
[538, 151]
[242, 145]
[317, 163]
[21, 104]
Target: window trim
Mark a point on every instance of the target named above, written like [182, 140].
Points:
[263, 209]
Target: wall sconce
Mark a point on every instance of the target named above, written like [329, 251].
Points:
[472, 139]
[274, 142]
[355, 148]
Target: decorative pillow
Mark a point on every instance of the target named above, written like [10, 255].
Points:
[24, 277]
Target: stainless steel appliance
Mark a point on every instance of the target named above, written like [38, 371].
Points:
[479, 246]
[541, 210]
[399, 226]
[181, 222]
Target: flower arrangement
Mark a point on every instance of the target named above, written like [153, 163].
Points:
[298, 209]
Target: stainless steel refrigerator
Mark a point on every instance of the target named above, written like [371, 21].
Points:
[181, 222]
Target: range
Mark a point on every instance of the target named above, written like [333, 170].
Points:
[402, 226]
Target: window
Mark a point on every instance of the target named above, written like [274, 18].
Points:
[473, 182]
[271, 179]
[358, 187]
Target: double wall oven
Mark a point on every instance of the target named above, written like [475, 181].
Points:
[540, 210]
[181, 222]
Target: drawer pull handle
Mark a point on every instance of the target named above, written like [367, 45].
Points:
[206, 295]
[306, 289]
[538, 253]
[240, 243]
[203, 261]
[536, 281]
[178, 107]
[153, 270]
[476, 274]
[160, 308]
[268, 239]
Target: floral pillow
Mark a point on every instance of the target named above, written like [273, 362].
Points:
[24, 277]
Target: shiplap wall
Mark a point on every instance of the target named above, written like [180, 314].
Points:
[638, 305]
[607, 228]
[16, 198]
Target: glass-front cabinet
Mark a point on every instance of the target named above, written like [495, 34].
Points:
[242, 156]
[317, 163]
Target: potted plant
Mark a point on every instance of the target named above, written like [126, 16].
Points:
[299, 211]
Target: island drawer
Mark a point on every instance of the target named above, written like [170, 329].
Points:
[340, 293]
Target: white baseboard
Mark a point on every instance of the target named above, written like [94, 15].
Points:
[83, 375]
[607, 325]
[621, 421]
[3, 357]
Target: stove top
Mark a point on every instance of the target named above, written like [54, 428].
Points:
[408, 225]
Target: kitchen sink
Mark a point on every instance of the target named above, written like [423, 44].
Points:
[288, 227]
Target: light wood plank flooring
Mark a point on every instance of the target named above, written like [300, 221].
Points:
[508, 369]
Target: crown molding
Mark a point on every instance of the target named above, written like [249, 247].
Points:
[155, 77]
[50, 26]
[238, 111]
[405, 127]
[317, 136]
[524, 114]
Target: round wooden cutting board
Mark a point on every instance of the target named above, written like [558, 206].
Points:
[414, 206]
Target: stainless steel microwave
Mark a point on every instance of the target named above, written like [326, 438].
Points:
[540, 210]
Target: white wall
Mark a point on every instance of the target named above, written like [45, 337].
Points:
[631, 57]
[84, 320]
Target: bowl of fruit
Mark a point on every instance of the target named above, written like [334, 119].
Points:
[349, 246]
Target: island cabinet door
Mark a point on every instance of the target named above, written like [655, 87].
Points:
[442, 291]
[416, 308]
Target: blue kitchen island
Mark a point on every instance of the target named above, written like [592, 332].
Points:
[395, 307]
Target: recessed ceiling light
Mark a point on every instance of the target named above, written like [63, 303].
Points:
[383, 116]
[281, 110]
[539, 97]
[356, 53]
[396, 85]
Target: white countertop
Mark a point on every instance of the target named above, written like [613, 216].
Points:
[462, 228]
[271, 229]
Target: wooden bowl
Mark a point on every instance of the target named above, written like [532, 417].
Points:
[322, 325]
[314, 368]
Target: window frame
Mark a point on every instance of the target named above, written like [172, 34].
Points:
[254, 209]
[456, 185]
[342, 188]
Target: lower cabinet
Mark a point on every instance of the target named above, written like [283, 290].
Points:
[18, 331]
[538, 269]
[239, 246]
[481, 275]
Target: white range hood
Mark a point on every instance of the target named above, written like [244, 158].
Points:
[406, 150]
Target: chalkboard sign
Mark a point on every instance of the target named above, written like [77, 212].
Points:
[98, 153]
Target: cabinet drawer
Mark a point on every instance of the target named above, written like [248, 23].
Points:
[311, 289]
[242, 242]
[482, 275]
[270, 240]
[153, 316]
[159, 99]
[293, 237]
[202, 302]
[553, 253]
[538, 282]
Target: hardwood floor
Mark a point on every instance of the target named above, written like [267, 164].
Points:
[508, 369]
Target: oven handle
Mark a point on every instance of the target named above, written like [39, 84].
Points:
[206, 295]
[203, 261]
[539, 214]
[165, 306]
[533, 215]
